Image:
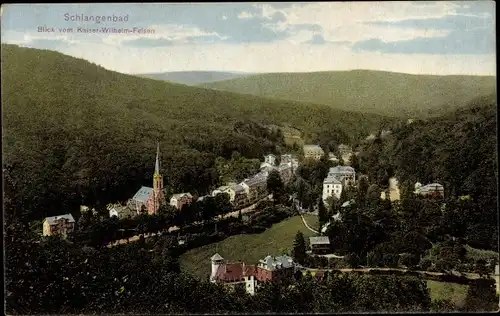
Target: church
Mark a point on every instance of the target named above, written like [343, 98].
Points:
[147, 198]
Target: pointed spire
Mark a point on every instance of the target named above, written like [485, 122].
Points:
[157, 165]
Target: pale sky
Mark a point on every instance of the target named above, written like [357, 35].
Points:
[414, 37]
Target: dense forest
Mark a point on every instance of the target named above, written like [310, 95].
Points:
[76, 133]
[458, 150]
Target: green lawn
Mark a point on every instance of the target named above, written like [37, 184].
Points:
[444, 290]
[248, 248]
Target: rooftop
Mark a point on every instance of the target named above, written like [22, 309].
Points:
[180, 195]
[312, 147]
[341, 169]
[331, 179]
[272, 263]
[53, 219]
[143, 194]
[216, 257]
[319, 240]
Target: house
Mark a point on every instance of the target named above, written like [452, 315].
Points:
[150, 199]
[331, 187]
[179, 200]
[255, 187]
[120, 211]
[319, 245]
[345, 174]
[60, 225]
[237, 194]
[249, 276]
[430, 190]
[313, 152]
[270, 159]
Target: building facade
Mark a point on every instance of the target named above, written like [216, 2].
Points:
[250, 277]
[60, 225]
[319, 245]
[180, 200]
[313, 152]
[331, 187]
[255, 187]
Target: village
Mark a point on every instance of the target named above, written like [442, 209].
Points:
[244, 196]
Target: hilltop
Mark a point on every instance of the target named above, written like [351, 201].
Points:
[91, 132]
[386, 93]
[192, 78]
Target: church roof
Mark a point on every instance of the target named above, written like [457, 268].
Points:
[143, 194]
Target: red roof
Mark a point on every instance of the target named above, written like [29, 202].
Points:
[233, 272]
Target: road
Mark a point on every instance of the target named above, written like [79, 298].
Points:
[135, 238]
[364, 270]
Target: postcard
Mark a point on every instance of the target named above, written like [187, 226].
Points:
[250, 158]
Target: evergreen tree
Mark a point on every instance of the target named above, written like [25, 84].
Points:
[355, 162]
[274, 184]
[299, 248]
[322, 213]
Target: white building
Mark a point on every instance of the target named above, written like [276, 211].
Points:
[331, 187]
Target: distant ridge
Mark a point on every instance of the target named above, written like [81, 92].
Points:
[379, 92]
[194, 77]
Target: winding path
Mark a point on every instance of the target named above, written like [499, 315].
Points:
[307, 226]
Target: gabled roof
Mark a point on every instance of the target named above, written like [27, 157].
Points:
[216, 257]
[53, 219]
[143, 194]
[341, 169]
[331, 179]
[180, 195]
[320, 240]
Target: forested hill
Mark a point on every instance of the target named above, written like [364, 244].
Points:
[193, 77]
[76, 133]
[380, 92]
[458, 150]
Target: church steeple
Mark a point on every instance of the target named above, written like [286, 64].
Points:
[158, 195]
[157, 165]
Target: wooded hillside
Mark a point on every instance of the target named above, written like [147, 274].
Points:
[76, 133]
